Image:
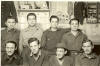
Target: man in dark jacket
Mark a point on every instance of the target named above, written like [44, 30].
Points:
[10, 57]
[87, 58]
[52, 36]
[61, 58]
[33, 55]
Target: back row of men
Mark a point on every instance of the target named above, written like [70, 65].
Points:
[53, 47]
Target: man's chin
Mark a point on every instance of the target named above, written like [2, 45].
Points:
[9, 54]
[87, 53]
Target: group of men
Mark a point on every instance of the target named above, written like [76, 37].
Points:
[53, 47]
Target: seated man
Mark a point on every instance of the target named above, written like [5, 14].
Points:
[61, 58]
[10, 58]
[33, 55]
[87, 58]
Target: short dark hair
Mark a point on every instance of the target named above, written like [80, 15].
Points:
[84, 41]
[31, 14]
[32, 40]
[13, 42]
[73, 20]
[54, 16]
[10, 17]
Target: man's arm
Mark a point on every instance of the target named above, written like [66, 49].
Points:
[43, 40]
[77, 61]
[21, 43]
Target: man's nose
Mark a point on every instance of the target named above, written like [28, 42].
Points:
[9, 49]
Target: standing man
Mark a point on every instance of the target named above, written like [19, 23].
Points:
[87, 58]
[10, 33]
[61, 58]
[33, 30]
[33, 55]
[10, 57]
[74, 38]
[52, 36]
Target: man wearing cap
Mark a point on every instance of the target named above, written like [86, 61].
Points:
[9, 33]
[61, 58]
[87, 58]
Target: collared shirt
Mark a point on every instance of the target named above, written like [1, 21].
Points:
[60, 61]
[14, 60]
[51, 38]
[27, 33]
[73, 42]
[83, 60]
[67, 61]
[9, 35]
[36, 58]
[31, 61]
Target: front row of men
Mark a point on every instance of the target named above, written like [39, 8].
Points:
[35, 56]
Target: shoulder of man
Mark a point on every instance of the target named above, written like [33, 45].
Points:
[19, 59]
[16, 30]
[3, 30]
[80, 55]
[46, 31]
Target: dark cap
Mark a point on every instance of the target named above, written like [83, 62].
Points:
[61, 45]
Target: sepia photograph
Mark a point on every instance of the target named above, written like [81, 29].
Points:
[50, 33]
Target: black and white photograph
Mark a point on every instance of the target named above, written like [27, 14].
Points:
[50, 33]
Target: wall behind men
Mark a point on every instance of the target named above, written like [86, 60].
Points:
[65, 11]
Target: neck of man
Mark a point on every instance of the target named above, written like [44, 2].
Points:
[61, 59]
[9, 29]
[36, 55]
[53, 29]
[74, 32]
[32, 25]
[88, 55]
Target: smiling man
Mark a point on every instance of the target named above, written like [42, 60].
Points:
[33, 55]
[61, 58]
[11, 58]
[87, 58]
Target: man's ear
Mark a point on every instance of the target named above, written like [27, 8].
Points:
[15, 48]
[39, 45]
[6, 23]
[92, 46]
[66, 51]
[82, 47]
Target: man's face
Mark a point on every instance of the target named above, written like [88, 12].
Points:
[87, 48]
[60, 53]
[54, 23]
[10, 49]
[10, 23]
[34, 46]
[31, 20]
[74, 25]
